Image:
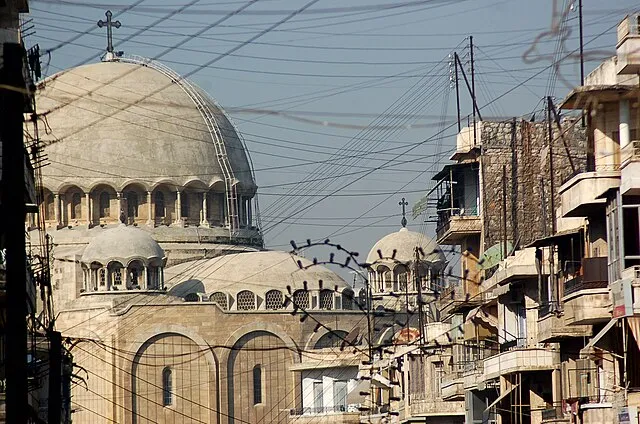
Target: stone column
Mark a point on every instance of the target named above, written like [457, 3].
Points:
[249, 213]
[178, 220]
[145, 279]
[205, 214]
[56, 208]
[89, 210]
[120, 210]
[150, 218]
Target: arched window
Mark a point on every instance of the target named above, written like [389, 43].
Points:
[132, 204]
[385, 281]
[76, 206]
[192, 297]
[246, 301]
[167, 387]
[301, 299]
[105, 204]
[135, 274]
[184, 204]
[402, 277]
[326, 299]
[347, 299]
[103, 277]
[220, 299]
[115, 269]
[257, 384]
[159, 204]
[273, 299]
[49, 207]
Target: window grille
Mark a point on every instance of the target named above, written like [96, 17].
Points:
[246, 301]
[167, 387]
[221, 299]
[103, 277]
[301, 299]
[326, 299]
[273, 299]
[117, 276]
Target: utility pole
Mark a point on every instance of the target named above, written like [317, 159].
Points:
[455, 64]
[12, 106]
[418, 283]
[473, 90]
[581, 50]
[552, 267]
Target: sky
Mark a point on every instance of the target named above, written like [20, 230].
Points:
[345, 107]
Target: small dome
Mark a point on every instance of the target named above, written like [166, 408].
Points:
[404, 242]
[258, 272]
[122, 243]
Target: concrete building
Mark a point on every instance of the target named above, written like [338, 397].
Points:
[550, 259]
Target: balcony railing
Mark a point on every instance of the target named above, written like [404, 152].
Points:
[594, 276]
[552, 414]
[630, 152]
[320, 410]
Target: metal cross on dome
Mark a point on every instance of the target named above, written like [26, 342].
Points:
[404, 204]
[109, 23]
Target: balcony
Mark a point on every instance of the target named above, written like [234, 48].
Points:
[334, 414]
[453, 228]
[434, 408]
[452, 386]
[580, 195]
[554, 415]
[630, 168]
[553, 328]
[586, 297]
[520, 360]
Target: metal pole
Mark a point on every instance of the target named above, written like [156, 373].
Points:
[581, 43]
[416, 267]
[551, 176]
[14, 212]
[504, 211]
[473, 90]
[455, 64]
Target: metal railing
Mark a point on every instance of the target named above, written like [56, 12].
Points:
[313, 410]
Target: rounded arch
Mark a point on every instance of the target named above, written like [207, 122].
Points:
[48, 204]
[348, 299]
[134, 184]
[301, 299]
[221, 299]
[145, 396]
[326, 299]
[331, 339]
[105, 200]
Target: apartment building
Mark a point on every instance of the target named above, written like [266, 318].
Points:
[546, 215]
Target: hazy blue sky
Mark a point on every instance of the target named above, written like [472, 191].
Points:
[315, 83]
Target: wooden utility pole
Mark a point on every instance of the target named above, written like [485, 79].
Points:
[12, 106]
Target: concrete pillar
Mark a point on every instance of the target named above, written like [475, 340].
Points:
[56, 208]
[145, 279]
[150, 218]
[89, 209]
[205, 215]
[624, 123]
[249, 213]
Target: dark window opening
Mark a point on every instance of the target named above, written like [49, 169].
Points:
[257, 384]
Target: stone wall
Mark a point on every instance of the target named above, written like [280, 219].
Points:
[522, 148]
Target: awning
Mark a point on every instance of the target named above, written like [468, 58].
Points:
[481, 315]
[554, 239]
[445, 171]
[587, 349]
[502, 396]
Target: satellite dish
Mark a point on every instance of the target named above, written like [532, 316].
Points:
[493, 255]
[351, 338]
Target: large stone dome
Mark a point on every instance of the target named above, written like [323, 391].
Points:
[115, 122]
[256, 271]
[404, 242]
